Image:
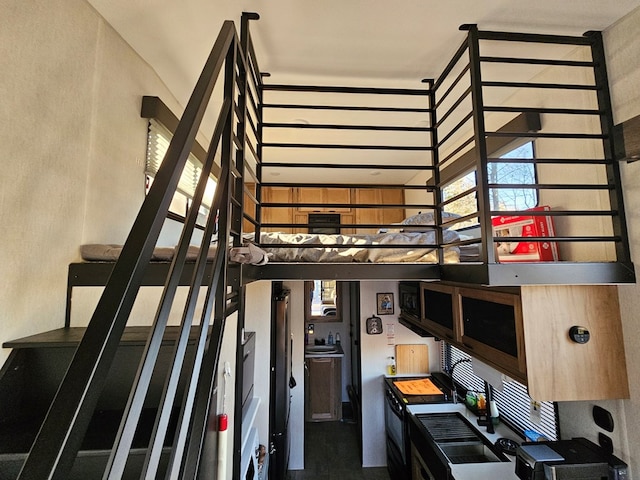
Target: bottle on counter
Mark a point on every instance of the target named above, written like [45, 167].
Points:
[391, 366]
[330, 339]
[337, 338]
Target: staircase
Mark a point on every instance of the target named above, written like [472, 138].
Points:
[112, 401]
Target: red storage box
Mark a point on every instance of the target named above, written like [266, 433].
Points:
[525, 226]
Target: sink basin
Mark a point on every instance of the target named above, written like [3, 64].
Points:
[320, 349]
[469, 453]
[458, 440]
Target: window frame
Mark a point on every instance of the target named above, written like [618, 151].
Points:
[510, 401]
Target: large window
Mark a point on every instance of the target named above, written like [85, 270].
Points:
[515, 406]
[505, 173]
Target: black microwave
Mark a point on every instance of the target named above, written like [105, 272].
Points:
[410, 300]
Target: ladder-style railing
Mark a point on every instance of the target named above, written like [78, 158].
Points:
[59, 440]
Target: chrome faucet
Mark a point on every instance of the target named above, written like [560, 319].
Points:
[453, 382]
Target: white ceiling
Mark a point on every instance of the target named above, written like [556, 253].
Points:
[338, 42]
[377, 42]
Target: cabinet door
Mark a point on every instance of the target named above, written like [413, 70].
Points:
[324, 197]
[491, 328]
[277, 214]
[439, 310]
[321, 389]
[368, 215]
[392, 197]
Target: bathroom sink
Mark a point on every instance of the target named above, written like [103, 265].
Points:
[321, 349]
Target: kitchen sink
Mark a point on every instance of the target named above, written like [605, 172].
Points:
[458, 440]
[462, 452]
[321, 349]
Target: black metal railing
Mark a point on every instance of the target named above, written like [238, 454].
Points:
[59, 440]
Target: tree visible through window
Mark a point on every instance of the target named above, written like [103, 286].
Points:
[502, 173]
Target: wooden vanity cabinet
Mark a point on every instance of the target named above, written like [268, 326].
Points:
[323, 389]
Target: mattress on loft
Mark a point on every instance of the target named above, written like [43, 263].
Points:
[414, 247]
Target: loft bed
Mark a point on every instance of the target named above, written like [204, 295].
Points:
[542, 88]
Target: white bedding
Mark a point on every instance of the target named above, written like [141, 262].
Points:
[336, 249]
[352, 248]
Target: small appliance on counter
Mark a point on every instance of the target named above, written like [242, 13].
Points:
[575, 459]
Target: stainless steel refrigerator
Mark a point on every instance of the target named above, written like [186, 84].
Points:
[281, 382]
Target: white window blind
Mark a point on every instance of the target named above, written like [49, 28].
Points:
[514, 404]
[157, 144]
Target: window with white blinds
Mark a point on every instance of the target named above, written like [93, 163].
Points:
[514, 404]
[157, 144]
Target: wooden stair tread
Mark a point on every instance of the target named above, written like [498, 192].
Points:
[71, 336]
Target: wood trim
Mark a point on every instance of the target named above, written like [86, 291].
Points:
[525, 122]
[626, 137]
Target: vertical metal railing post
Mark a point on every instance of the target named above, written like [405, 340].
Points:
[486, 230]
[608, 143]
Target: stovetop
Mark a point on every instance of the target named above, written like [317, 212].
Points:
[438, 379]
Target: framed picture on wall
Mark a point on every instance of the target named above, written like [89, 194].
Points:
[385, 303]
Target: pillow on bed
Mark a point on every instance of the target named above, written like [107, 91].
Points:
[419, 222]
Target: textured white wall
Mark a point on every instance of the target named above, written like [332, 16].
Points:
[375, 351]
[622, 47]
[73, 146]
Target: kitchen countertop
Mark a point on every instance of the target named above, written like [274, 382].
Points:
[339, 353]
[475, 471]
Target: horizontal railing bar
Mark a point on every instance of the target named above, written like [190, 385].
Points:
[583, 136]
[570, 161]
[343, 165]
[533, 38]
[554, 213]
[453, 108]
[549, 186]
[460, 195]
[360, 90]
[345, 107]
[455, 129]
[537, 61]
[560, 86]
[344, 225]
[376, 186]
[453, 85]
[457, 150]
[551, 238]
[348, 246]
[347, 147]
[570, 111]
[452, 63]
[322, 205]
[347, 127]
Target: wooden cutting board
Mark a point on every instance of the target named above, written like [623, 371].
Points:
[412, 359]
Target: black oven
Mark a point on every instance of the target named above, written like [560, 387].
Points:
[396, 420]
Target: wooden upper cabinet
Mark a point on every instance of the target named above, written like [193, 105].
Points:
[378, 216]
[561, 369]
[324, 197]
[524, 333]
[277, 214]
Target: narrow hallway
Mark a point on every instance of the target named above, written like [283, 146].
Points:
[331, 453]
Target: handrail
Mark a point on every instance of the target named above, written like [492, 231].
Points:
[56, 446]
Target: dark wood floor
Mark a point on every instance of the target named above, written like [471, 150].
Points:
[331, 453]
